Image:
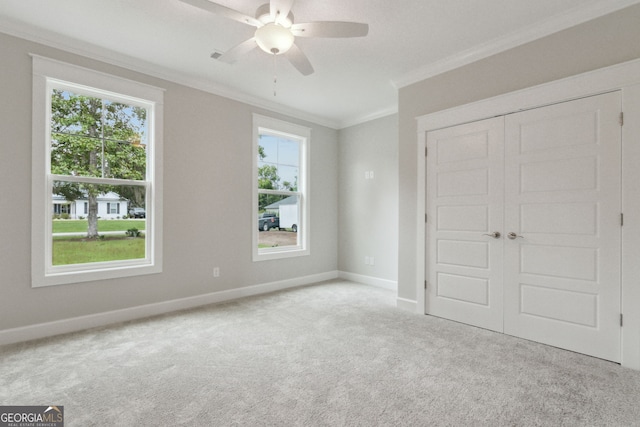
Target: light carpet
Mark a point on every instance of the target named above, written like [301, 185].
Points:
[331, 354]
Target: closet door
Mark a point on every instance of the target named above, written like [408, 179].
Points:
[465, 191]
[563, 204]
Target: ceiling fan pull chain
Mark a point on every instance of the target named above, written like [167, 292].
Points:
[275, 74]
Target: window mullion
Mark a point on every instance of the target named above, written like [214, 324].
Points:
[97, 180]
[279, 192]
[102, 120]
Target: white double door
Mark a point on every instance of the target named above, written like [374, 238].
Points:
[524, 224]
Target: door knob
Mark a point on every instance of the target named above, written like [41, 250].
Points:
[514, 236]
[495, 235]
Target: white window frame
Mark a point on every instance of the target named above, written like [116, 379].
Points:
[48, 74]
[301, 134]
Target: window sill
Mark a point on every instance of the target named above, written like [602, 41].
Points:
[69, 277]
[271, 254]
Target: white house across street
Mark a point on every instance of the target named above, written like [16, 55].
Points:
[110, 206]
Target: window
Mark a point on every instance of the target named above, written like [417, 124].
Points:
[97, 144]
[113, 208]
[280, 197]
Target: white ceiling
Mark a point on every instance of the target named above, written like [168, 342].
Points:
[355, 79]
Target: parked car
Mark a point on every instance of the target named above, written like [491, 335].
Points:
[137, 213]
[267, 221]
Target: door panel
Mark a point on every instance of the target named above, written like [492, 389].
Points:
[462, 288]
[559, 175]
[462, 218]
[463, 254]
[465, 193]
[559, 218]
[562, 192]
[463, 183]
[565, 306]
[551, 133]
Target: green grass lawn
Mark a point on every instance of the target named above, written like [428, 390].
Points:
[80, 225]
[81, 251]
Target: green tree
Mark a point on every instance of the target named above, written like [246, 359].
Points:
[267, 174]
[268, 179]
[291, 186]
[94, 137]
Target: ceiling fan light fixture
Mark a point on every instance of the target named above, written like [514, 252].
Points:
[274, 38]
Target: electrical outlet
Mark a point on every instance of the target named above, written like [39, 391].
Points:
[216, 271]
[366, 260]
[370, 174]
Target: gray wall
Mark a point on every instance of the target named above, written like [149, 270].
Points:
[368, 218]
[609, 40]
[207, 201]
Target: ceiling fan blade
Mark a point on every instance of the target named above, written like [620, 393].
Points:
[330, 29]
[235, 52]
[224, 11]
[279, 8]
[299, 60]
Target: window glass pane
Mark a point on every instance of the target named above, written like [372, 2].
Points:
[97, 137]
[278, 220]
[105, 232]
[278, 163]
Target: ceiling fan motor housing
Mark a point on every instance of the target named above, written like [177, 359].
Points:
[263, 14]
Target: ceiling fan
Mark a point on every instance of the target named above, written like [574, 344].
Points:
[276, 31]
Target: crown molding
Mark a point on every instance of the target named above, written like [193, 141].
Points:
[353, 121]
[528, 34]
[90, 51]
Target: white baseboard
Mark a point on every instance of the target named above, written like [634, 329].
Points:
[368, 280]
[407, 304]
[42, 330]
[402, 303]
